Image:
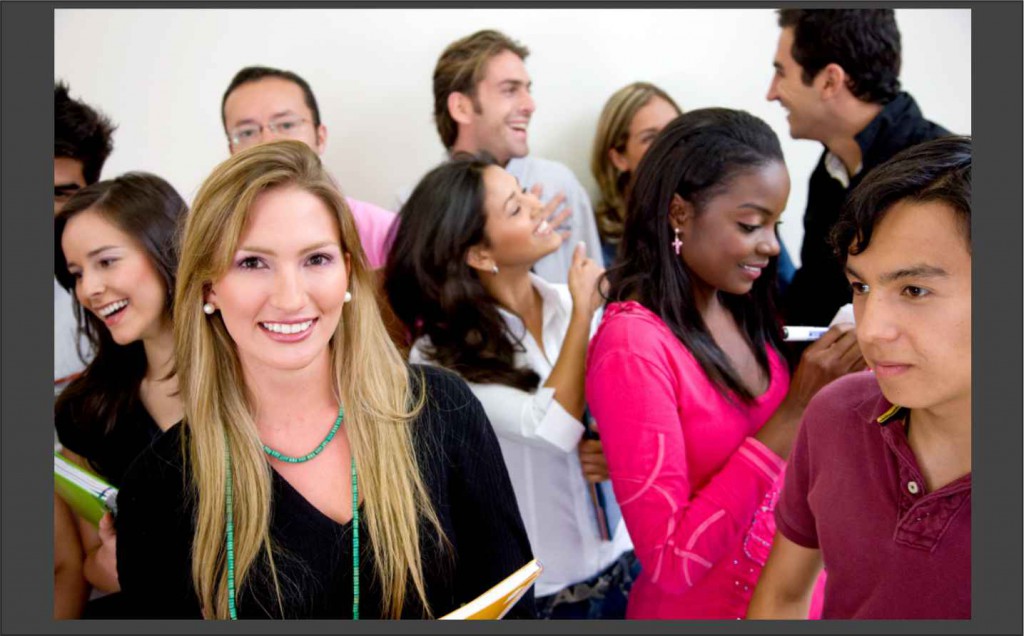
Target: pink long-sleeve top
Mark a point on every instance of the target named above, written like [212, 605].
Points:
[696, 490]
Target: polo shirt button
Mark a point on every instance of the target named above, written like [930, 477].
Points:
[913, 488]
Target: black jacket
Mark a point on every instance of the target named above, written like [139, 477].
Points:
[819, 287]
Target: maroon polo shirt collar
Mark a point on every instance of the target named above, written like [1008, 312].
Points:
[923, 517]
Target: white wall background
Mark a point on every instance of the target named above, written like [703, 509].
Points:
[160, 75]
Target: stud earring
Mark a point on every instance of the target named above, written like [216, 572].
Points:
[208, 309]
[677, 244]
[494, 269]
[348, 296]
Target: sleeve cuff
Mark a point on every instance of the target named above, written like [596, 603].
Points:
[556, 426]
[791, 533]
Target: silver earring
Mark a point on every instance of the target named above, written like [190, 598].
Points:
[494, 269]
[677, 244]
[348, 296]
[208, 309]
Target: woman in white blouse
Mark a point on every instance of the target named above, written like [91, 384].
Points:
[458, 276]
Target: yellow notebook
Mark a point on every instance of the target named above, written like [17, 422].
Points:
[497, 601]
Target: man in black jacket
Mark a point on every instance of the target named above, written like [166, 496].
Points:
[837, 76]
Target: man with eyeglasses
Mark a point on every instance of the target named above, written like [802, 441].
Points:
[264, 104]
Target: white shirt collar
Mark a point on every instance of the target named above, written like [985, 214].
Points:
[837, 169]
[552, 308]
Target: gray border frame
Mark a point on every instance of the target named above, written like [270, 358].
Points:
[26, 51]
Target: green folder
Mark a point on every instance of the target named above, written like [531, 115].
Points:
[87, 494]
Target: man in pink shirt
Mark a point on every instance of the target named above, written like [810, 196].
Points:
[264, 104]
[878, 485]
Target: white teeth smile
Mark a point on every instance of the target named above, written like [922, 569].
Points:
[542, 229]
[113, 307]
[519, 127]
[277, 327]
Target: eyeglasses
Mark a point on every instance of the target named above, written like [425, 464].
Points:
[249, 134]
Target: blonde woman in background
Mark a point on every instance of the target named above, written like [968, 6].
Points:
[630, 120]
[315, 475]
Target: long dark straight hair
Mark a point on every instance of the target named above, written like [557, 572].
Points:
[432, 288]
[149, 210]
[696, 156]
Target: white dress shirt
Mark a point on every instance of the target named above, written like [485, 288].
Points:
[538, 439]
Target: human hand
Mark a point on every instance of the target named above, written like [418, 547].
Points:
[550, 213]
[104, 566]
[584, 281]
[833, 355]
[592, 460]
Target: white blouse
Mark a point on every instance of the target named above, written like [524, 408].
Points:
[538, 439]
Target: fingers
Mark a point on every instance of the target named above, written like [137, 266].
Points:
[562, 217]
[106, 528]
[829, 338]
[579, 255]
[852, 359]
[537, 190]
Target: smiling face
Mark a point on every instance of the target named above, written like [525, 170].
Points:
[516, 231]
[912, 304]
[114, 278]
[271, 100]
[501, 110]
[644, 127]
[805, 109]
[728, 243]
[282, 297]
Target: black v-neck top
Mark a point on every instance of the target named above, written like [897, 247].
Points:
[462, 467]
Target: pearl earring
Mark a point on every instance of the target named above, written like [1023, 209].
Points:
[677, 244]
[494, 269]
[208, 309]
[348, 296]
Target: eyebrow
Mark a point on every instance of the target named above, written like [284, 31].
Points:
[66, 187]
[757, 208]
[514, 83]
[269, 252]
[914, 271]
[250, 120]
[100, 249]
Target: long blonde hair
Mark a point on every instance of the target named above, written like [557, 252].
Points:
[613, 132]
[379, 405]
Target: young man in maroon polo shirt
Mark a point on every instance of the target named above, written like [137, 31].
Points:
[878, 486]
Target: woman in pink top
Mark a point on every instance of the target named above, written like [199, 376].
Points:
[685, 378]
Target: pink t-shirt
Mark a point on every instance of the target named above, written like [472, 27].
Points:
[697, 491]
[373, 224]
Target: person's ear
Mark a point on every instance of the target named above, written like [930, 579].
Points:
[681, 214]
[479, 258]
[460, 107]
[618, 160]
[321, 139]
[832, 80]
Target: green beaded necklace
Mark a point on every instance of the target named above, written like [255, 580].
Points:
[229, 514]
[316, 451]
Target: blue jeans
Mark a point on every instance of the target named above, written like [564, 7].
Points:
[602, 596]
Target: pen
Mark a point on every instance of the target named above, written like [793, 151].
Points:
[802, 334]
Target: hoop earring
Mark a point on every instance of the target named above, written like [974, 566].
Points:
[208, 309]
[677, 244]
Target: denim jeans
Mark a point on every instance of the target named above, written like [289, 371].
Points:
[602, 596]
